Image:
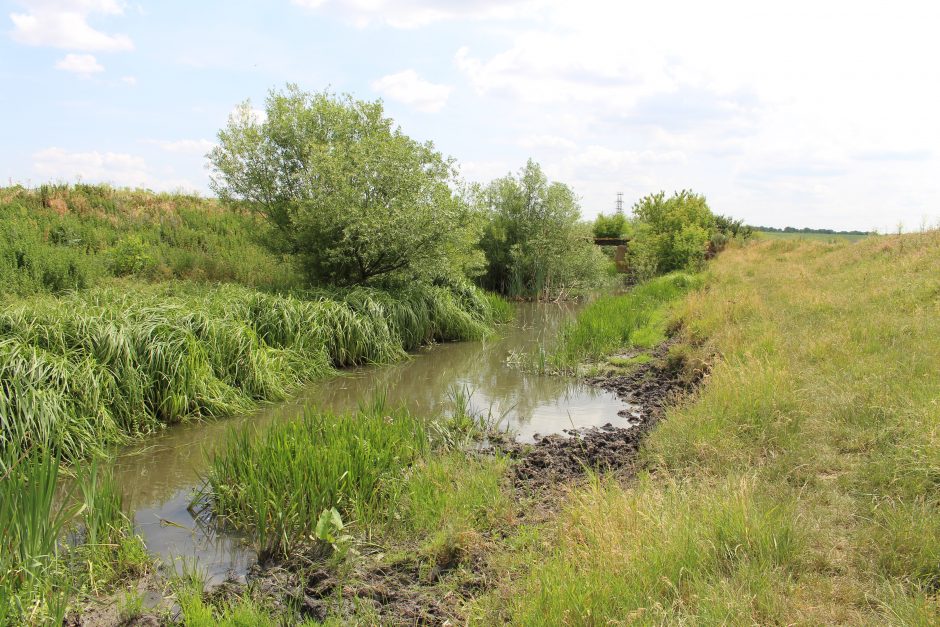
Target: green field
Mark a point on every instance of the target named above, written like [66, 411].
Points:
[823, 237]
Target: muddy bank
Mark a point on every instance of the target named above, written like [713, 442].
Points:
[415, 590]
[647, 390]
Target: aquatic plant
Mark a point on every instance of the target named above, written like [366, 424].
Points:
[275, 485]
[88, 369]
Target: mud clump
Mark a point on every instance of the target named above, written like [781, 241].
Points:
[647, 390]
[397, 593]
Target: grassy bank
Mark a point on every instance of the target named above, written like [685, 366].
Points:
[89, 368]
[800, 486]
[618, 323]
[64, 237]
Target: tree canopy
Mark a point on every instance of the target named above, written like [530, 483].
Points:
[534, 240]
[349, 195]
[672, 233]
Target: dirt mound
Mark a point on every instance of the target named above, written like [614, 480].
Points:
[647, 390]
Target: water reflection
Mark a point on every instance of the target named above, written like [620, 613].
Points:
[158, 477]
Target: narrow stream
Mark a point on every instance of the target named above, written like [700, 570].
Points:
[159, 475]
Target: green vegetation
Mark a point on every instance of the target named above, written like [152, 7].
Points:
[42, 577]
[84, 370]
[609, 324]
[534, 242]
[672, 233]
[349, 197]
[616, 225]
[277, 485]
[63, 237]
[389, 471]
[800, 486]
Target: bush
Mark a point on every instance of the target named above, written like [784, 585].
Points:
[131, 256]
[672, 233]
[534, 242]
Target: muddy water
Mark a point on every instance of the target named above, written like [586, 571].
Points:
[159, 476]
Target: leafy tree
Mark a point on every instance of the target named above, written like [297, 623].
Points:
[349, 195]
[534, 241]
[613, 226]
[672, 233]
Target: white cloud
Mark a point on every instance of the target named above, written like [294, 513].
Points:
[117, 168]
[185, 146]
[417, 13]
[64, 24]
[409, 88]
[766, 109]
[82, 64]
[129, 80]
[542, 140]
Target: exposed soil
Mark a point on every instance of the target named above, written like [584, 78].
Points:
[401, 593]
[412, 591]
[647, 390]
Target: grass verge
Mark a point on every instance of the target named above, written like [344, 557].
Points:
[801, 486]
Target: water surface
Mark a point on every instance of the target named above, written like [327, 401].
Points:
[158, 477]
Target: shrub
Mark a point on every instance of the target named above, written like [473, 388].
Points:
[534, 242]
[672, 233]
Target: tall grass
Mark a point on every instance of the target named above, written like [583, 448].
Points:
[276, 485]
[42, 568]
[30, 526]
[614, 323]
[83, 371]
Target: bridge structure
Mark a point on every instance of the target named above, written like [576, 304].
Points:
[620, 254]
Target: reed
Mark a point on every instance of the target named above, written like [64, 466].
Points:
[89, 369]
[275, 485]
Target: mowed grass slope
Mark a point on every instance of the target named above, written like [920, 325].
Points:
[802, 485]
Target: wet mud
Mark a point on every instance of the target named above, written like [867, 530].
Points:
[417, 591]
[409, 593]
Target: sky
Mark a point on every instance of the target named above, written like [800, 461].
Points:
[822, 114]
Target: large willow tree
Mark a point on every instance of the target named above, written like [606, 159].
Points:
[349, 195]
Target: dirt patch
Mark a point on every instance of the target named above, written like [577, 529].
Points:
[415, 591]
[404, 592]
[648, 390]
[148, 594]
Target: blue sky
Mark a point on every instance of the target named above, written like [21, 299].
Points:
[820, 114]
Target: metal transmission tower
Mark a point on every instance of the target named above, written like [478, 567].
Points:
[620, 203]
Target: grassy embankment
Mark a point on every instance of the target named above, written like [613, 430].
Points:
[96, 344]
[802, 484]
[111, 356]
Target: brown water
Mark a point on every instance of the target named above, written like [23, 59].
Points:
[159, 477]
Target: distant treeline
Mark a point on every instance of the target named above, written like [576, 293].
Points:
[790, 229]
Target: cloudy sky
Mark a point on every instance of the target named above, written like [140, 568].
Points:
[820, 114]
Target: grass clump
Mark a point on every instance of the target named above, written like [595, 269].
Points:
[388, 473]
[613, 323]
[276, 485]
[89, 369]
